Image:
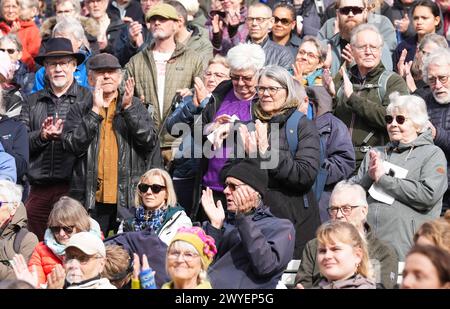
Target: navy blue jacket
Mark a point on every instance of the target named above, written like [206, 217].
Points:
[253, 251]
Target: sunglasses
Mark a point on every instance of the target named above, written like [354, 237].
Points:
[9, 50]
[400, 119]
[66, 229]
[354, 9]
[284, 21]
[143, 187]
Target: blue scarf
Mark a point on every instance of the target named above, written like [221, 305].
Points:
[311, 78]
[151, 219]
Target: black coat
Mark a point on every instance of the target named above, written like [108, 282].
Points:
[136, 136]
[49, 162]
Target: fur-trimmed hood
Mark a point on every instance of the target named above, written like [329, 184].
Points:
[87, 23]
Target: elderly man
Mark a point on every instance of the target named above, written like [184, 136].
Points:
[14, 237]
[259, 22]
[44, 114]
[254, 247]
[436, 72]
[362, 96]
[112, 136]
[162, 68]
[348, 203]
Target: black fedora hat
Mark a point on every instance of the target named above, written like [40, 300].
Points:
[59, 47]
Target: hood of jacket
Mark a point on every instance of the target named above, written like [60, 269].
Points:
[424, 138]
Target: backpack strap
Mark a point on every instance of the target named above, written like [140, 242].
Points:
[382, 83]
[292, 130]
[20, 235]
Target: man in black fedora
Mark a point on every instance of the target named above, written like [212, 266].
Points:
[44, 114]
[112, 135]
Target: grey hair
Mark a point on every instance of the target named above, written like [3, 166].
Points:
[413, 105]
[13, 38]
[295, 93]
[358, 194]
[440, 57]
[321, 47]
[366, 27]
[246, 56]
[437, 39]
[191, 6]
[70, 25]
[75, 3]
[11, 191]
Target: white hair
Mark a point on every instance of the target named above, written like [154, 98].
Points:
[413, 105]
[191, 6]
[366, 27]
[246, 56]
[11, 191]
[439, 57]
[350, 189]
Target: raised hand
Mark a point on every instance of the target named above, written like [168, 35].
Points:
[129, 91]
[401, 63]
[245, 199]
[348, 86]
[298, 71]
[200, 91]
[20, 268]
[261, 136]
[135, 31]
[328, 59]
[328, 82]
[249, 140]
[376, 168]
[233, 18]
[217, 24]
[56, 279]
[347, 55]
[98, 101]
[402, 24]
[215, 212]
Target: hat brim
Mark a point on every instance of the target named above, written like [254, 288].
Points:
[79, 56]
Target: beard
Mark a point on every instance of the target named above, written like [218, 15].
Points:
[442, 100]
[347, 27]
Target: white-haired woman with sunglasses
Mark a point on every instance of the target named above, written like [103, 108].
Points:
[68, 217]
[410, 170]
[156, 207]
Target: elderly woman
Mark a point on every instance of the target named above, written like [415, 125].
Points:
[343, 257]
[407, 178]
[308, 66]
[426, 267]
[156, 206]
[70, 28]
[67, 218]
[230, 100]
[188, 257]
[290, 194]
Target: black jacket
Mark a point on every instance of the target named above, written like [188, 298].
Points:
[136, 136]
[49, 162]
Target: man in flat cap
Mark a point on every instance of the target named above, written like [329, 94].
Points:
[162, 68]
[50, 169]
[112, 136]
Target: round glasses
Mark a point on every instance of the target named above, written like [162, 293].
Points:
[272, 90]
[346, 210]
[442, 79]
[400, 119]
[187, 256]
[143, 187]
[310, 55]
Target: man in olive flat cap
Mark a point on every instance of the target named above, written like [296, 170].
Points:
[162, 68]
[112, 136]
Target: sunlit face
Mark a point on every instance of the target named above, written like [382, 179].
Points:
[357, 215]
[420, 273]
[150, 199]
[338, 260]
[347, 22]
[424, 21]
[162, 28]
[183, 262]
[272, 95]
[439, 81]
[8, 46]
[10, 10]
[231, 4]
[146, 5]
[97, 8]
[63, 232]
[5, 212]
[366, 51]
[244, 83]
[111, 79]
[214, 75]
[308, 57]
[404, 133]
[79, 266]
[231, 184]
[259, 22]
[65, 9]
[26, 12]
[284, 23]
[59, 71]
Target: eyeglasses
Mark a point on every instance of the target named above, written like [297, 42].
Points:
[143, 187]
[245, 79]
[64, 64]
[372, 49]
[67, 229]
[346, 210]
[442, 79]
[400, 119]
[8, 50]
[83, 259]
[284, 21]
[310, 55]
[233, 186]
[354, 9]
[187, 256]
[64, 12]
[272, 90]
[215, 75]
[259, 20]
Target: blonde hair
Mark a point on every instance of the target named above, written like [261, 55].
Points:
[171, 199]
[330, 232]
[438, 231]
[70, 212]
[118, 268]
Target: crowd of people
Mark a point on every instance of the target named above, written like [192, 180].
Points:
[204, 144]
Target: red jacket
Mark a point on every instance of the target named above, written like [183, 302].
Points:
[29, 37]
[45, 260]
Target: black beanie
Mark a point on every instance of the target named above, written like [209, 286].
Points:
[249, 172]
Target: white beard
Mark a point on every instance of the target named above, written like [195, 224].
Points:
[442, 101]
